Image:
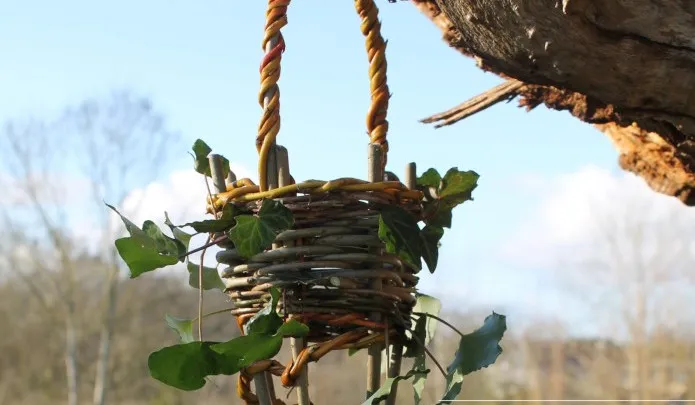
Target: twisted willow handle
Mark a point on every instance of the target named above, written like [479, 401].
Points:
[269, 96]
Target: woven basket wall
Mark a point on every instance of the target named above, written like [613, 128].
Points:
[325, 267]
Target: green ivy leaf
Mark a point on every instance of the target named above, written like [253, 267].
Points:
[253, 234]
[146, 249]
[427, 304]
[186, 365]
[388, 385]
[476, 350]
[222, 224]
[423, 333]
[248, 349]
[165, 245]
[401, 235]
[142, 258]
[183, 327]
[430, 236]
[266, 321]
[201, 164]
[438, 214]
[419, 380]
[430, 178]
[245, 350]
[457, 186]
[182, 238]
[211, 278]
[135, 232]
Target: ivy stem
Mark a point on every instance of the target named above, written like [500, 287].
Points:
[440, 320]
[200, 292]
[429, 353]
[215, 313]
[205, 246]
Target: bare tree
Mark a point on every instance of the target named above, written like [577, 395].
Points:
[61, 172]
[633, 274]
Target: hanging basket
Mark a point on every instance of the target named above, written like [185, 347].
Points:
[332, 268]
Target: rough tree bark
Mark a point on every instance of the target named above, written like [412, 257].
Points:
[627, 66]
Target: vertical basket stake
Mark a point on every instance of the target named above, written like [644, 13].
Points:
[218, 180]
[376, 174]
[217, 172]
[296, 344]
[394, 369]
[264, 381]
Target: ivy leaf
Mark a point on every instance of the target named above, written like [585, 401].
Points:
[430, 236]
[253, 234]
[135, 232]
[222, 224]
[248, 349]
[266, 321]
[186, 365]
[401, 235]
[201, 164]
[428, 305]
[419, 379]
[476, 350]
[146, 249]
[165, 245]
[183, 327]
[211, 278]
[182, 238]
[457, 186]
[386, 388]
[142, 258]
[423, 333]
[430, 178]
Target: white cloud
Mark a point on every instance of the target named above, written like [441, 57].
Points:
[576, 205]
[182, 194]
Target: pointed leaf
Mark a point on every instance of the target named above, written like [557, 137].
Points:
[181, 237]
[293, 328]
[135, 232]
[211, 278]
[266, 321]
[248, 349]
[165, 245]
[431, 235]
[183, 327]
[141, 259]
[419, 380]
[253, 234]
[388, 385]
[201, 151]
[457, 186]
[222, 224]
[476, 350]
[430, 178]
[401, 235]
[428, 305]
[436, 213]
[185, 366]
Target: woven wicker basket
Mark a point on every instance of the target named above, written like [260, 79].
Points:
[326, 266]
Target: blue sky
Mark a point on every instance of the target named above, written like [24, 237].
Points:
[198, 61]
